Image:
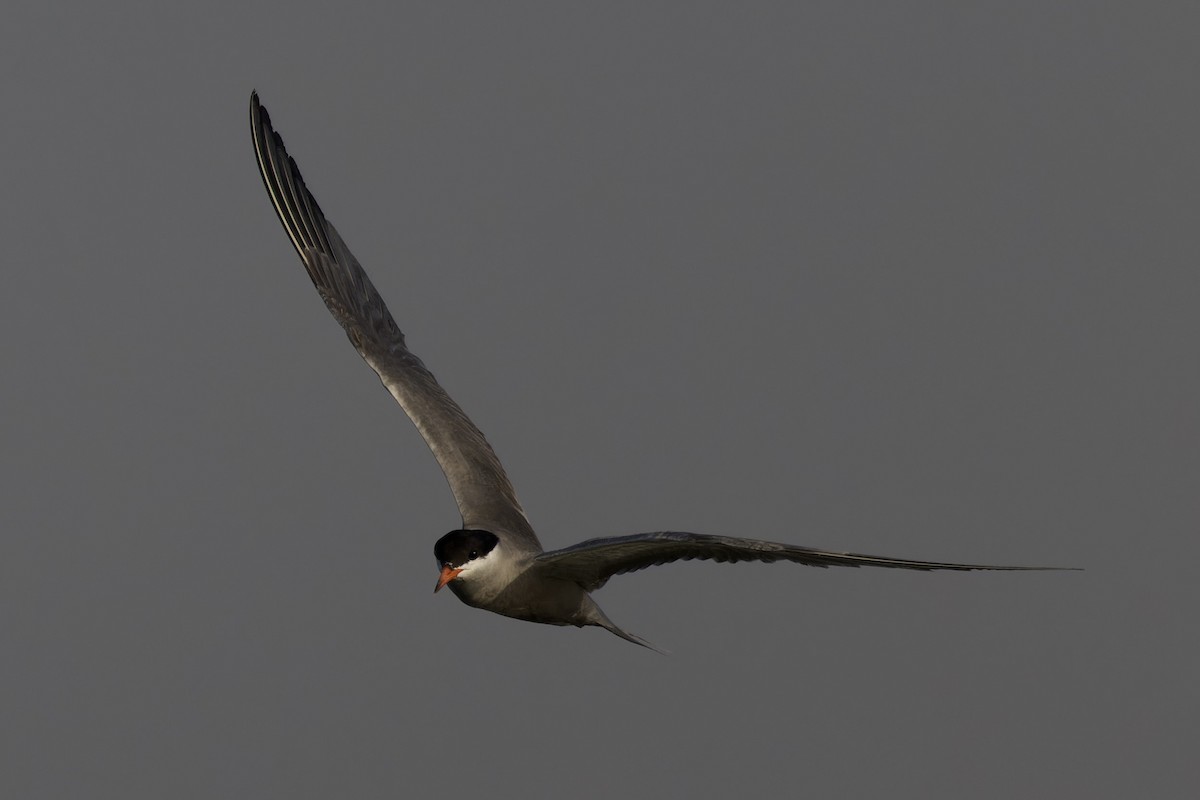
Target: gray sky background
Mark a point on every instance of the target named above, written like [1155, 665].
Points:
[913, 279]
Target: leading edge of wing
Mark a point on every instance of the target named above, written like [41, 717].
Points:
[485, 496]
[593, 562]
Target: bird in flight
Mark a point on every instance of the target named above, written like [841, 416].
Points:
[495, 561]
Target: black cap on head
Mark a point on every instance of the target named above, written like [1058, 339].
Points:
[458, 547]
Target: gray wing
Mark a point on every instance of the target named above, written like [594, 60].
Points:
[593, 562]
[483, 492]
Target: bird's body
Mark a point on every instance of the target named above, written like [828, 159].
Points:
[514, 588]
[495, 562]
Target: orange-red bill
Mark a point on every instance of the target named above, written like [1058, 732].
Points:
[448, 574]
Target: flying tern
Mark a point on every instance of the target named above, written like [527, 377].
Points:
[494, 561]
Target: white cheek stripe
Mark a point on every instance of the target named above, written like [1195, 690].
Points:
[479, 566]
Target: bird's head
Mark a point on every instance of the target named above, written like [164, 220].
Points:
[459, 553]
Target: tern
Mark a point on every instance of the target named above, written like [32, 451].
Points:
[494, 561]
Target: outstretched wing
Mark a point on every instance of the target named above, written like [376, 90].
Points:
[593, 562]
[483, 492]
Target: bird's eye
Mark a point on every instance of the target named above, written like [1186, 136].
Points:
[474, 554]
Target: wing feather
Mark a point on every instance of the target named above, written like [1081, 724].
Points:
[593, 562]
[484, 495]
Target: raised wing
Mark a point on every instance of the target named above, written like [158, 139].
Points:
[593, 562]
[483, 492]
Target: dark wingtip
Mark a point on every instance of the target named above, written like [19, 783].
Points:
[258, 114]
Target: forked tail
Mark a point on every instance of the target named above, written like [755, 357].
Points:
[607, 624]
